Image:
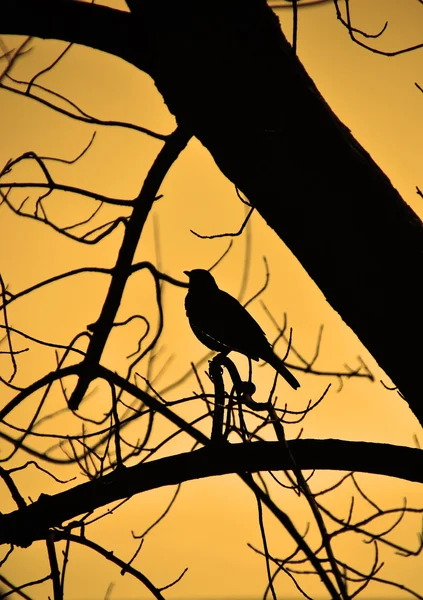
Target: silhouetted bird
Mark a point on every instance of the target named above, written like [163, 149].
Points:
[222, 324]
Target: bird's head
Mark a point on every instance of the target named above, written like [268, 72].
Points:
[200, 279]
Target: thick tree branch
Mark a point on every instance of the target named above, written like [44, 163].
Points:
[99, 27]
[28, 524]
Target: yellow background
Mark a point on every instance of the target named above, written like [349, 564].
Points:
[212, 521]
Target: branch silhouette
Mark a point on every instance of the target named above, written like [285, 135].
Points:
[224, 426]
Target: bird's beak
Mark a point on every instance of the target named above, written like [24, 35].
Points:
[187, 273]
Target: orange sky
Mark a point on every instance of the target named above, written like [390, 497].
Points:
[209, 527]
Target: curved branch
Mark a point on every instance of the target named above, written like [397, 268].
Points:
[24, 526]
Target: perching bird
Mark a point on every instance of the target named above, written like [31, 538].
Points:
[222, 324]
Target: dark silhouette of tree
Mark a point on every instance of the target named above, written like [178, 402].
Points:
[231, 79]
[204, 63]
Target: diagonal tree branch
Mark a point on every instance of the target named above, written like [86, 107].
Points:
[175, 143]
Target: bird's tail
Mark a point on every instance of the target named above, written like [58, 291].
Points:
[278, 365]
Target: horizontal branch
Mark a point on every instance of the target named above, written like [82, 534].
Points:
[31, 523]
[53, 186]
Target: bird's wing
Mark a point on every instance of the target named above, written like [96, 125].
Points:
[232, 325]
